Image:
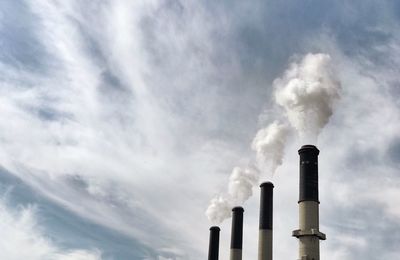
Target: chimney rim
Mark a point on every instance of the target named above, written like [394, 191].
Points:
[215, 228]
[267, 183]
[238, 208]
[309, 148]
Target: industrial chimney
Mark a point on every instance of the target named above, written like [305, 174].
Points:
[237, 233]
[265, 228]
[308, 232]
[213, 249]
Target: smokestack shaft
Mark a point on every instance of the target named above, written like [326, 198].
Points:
[308, 232]
[213, 249]
[237, 234]
[266, 221]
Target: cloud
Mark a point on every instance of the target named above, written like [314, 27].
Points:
[109, 143]
[25, 239]
[132, 114]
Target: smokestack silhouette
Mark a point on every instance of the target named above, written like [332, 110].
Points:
[237, 233]
[266, 221]
[213, 249]
[308, 232]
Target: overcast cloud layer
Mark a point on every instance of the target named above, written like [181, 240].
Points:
[121, 120]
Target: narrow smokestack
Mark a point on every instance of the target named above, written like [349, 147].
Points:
[308, 232]
[265, 229]
[237, 233]
[213, 249]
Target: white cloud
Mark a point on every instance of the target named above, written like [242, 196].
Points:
[23, 238]
[150, 148]
[124, 145]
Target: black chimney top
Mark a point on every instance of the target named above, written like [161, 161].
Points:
[213, 249]
[266, 205]
[237, 228]
[308, 173]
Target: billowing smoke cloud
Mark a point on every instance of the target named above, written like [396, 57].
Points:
[269, 145]
[219, 209]
[307, 91]
[241, 183]
[240, 189]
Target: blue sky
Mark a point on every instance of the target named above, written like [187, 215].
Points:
[120, 120]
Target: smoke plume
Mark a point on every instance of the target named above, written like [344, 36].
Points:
[240, 189]
[307, 91]
[241, 183]
[269, 145]
[219, 209]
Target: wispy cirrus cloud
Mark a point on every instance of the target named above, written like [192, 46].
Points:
[24, 238]
[131, 114]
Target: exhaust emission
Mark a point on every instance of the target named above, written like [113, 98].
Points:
[265, 228]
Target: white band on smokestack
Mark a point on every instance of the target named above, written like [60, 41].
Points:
[308, 232]
[266, 217]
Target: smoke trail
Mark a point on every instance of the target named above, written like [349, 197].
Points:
[241, 183]
[219, 209]
[240, 189]
[307, 91]
[269, 145]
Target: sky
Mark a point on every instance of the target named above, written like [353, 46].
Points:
[120, 120]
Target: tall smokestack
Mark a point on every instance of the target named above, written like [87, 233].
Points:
[265, 228]
[213, 249]
[308, 232]
[237, 233]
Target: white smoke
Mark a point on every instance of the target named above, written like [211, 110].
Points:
[240, 189]
[241, 183]
[307, 91]
[269, 145]
[219, 209]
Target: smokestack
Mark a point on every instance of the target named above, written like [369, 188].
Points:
[308, 232]
[237, 233]
[213, 249]
[265, 228]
